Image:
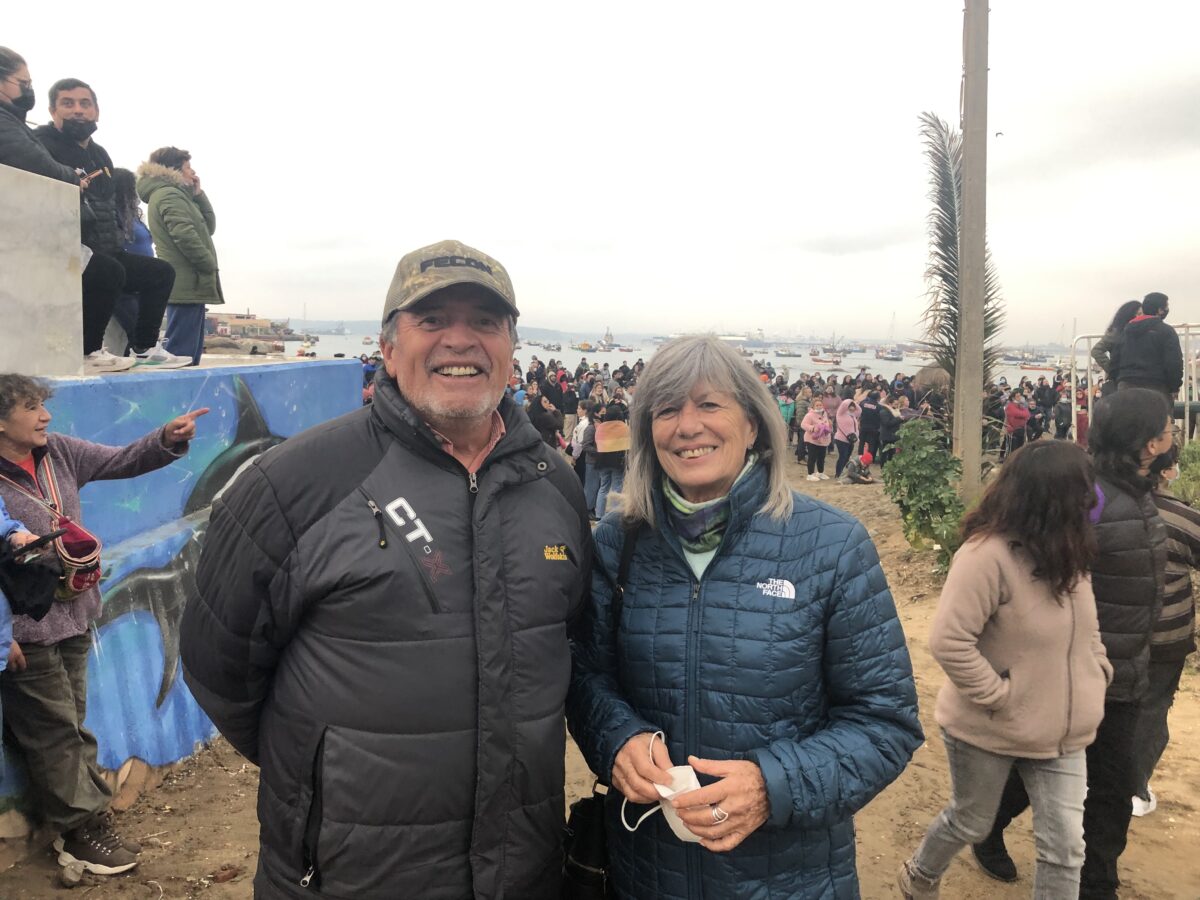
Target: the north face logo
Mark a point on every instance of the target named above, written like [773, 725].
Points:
[777, 587]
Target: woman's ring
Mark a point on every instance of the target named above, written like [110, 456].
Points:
[719, 815]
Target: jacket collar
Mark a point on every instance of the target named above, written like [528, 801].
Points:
[745, 499]
[395, 414]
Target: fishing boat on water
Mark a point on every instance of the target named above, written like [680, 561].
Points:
[825, 360]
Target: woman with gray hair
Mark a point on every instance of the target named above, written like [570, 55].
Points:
[739, 632]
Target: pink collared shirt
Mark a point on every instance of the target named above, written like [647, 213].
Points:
[472, 464]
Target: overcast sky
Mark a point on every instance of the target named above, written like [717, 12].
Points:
[656, 166]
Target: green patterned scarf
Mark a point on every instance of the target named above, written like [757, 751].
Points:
[700, 526]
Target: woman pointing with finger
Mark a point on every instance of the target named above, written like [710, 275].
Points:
[754, 634]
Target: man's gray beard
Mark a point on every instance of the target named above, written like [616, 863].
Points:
[430, 410]
[482, 408]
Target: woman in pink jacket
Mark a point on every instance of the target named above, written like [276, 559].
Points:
[1017, 635]
[845, 433]
[818, 432]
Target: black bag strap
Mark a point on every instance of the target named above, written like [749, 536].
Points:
[628, 547]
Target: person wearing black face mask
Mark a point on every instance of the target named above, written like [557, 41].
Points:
[111, 271]
[18, 147]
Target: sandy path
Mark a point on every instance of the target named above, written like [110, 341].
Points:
[203, 816]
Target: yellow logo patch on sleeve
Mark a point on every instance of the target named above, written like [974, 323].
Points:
[556, 552]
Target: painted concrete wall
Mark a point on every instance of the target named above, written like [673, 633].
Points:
[39, 275]
[153, 528]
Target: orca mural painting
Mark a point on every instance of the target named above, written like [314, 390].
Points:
[153, 530]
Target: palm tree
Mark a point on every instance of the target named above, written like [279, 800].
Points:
[943, 148]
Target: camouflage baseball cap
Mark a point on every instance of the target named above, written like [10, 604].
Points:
[440, 265]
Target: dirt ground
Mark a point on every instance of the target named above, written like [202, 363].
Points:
[202, 819]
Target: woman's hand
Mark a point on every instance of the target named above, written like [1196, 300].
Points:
[16, 659]
[741, 795]
[182, 429]
[634, 775]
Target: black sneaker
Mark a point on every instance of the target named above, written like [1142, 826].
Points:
[97, 848]
[107, 817]
[992, 857]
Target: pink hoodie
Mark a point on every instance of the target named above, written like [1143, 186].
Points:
[847, 421]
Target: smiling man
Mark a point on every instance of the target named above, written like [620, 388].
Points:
[382, 616]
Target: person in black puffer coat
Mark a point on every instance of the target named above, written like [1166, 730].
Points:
[18, 147]
[1150, 355]
[546, 419]
[1131, 429]
[868, 424]
[381, 622]
[111, 271]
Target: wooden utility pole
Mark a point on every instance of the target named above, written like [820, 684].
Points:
[968, 376]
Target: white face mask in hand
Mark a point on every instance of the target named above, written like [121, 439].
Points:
[683, 779]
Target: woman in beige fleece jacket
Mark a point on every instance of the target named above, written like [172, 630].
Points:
[1016, 633]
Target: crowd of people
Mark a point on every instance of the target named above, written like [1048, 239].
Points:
[137, 268]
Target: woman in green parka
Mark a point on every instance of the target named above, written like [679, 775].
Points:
[182, 222]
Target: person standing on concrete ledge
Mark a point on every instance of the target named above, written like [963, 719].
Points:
[182, 223]
[381, 623]
[45, 687]
[111, 271]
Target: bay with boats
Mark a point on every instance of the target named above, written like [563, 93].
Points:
[836, 355]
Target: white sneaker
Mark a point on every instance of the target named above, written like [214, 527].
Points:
[822, 476]
[1145, 807]
[159, 357]
[99, 361]
[812, 478]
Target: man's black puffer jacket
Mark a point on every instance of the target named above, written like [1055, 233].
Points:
[1128, 578]
[98, 217]
[1151, 356]
[386, 637]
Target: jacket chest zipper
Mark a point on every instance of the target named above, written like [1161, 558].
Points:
[473, 483]
[378, 514]
[692, 720]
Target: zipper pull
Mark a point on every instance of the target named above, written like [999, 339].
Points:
[308, 877]
[695, 591]
[378, 514]
[474, 483]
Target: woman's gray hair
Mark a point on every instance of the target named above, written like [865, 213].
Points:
[21, 389]
[669, 378]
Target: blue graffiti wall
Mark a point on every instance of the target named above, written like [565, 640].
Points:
[153, 527]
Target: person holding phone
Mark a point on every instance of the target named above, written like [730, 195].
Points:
[182, 223]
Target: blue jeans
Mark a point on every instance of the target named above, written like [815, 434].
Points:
[591, 486]
[185, 330]
[1056, 788]
[611, 481]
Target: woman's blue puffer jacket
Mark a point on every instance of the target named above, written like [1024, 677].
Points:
[788, 652]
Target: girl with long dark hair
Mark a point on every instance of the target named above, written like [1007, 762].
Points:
[1107, 350]
[1017, 635]
[1131, 430]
